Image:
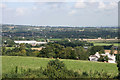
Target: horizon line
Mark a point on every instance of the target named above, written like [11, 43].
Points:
[54, 25]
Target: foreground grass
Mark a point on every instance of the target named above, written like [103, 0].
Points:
[10, 62]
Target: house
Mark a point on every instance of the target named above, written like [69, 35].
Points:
[94, 57]
[111, 57]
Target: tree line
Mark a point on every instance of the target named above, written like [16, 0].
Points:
[61, 49]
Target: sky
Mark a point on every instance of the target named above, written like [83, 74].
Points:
[76, 14]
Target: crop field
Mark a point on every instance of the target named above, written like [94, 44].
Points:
[10, 62]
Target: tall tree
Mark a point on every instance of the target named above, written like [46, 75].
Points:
[3, 50]
[95, 49]
[112, 50]
[22, 50]
[81, 53]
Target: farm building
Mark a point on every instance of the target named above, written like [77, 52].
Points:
[111, 58]
[94, 57]
[30, 42]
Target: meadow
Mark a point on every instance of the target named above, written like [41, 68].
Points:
[10, 62]
[106, 44]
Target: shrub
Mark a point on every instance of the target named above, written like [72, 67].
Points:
[57, 69]
[101, 59]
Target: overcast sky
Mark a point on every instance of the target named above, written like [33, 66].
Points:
[60, 13]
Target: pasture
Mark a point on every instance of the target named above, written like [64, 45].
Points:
[106, 44]
[10, 62]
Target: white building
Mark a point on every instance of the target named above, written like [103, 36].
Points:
[30, 42]
[94, 57]
[111, 58]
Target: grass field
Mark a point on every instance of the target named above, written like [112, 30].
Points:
[10, 62]
[55, 39]
[10, 47]
[106, 44]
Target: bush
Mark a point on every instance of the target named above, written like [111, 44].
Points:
[101, 59]
[57, 69]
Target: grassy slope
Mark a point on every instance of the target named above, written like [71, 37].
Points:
[9, 63]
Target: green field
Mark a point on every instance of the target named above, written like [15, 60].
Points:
[55, 39]
[10, 62]
[106, 44]
[10, 47]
